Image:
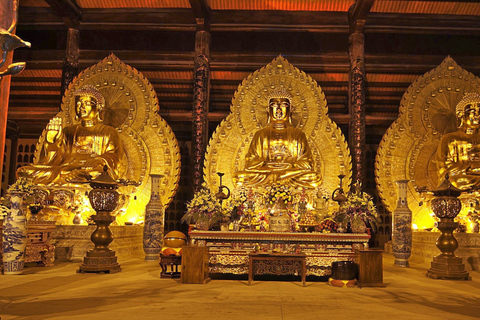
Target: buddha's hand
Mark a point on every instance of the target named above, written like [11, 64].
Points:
[54, 130]
[277, 166]
[95, 164]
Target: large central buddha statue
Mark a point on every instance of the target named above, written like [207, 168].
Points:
[458, 154]
[77, 152]
[279, 153]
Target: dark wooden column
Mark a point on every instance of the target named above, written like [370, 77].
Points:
[356, 87]
[6, 17]
[201, 95]
[201, 90]
[71, 15]
[70, 62]
[13, 133]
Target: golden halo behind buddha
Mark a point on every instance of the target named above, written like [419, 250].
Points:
[408, 148]
[131, 106]
[229, 144]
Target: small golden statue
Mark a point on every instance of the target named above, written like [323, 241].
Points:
[279, 153]
[77, 152]
[458, 154]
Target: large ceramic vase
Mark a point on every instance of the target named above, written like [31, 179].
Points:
[402, 227]
[153, 228]
[14, 235]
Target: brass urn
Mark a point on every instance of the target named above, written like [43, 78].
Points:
[446, 207]
[104, 199]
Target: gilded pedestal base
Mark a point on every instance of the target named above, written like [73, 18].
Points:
[448, 268]
[100, 262]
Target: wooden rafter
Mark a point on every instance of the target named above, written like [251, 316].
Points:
[68, 10]
[357, 15]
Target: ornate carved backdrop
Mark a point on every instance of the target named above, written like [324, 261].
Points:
[427, 112]
[248, 112]
[131, 106]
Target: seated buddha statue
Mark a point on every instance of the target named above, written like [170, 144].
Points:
[279, 153]
[77, 152]
[458, 154]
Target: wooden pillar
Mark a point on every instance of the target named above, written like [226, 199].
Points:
[70, 61]
[357, 15]
[357, 104]
[201, 94]
[13, 133]
[6, 17]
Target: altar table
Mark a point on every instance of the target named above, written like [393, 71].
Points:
[277, 264]
[229, 250]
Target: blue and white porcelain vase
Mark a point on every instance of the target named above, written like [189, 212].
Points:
[14, 235]
[153, 227]
[402, 228]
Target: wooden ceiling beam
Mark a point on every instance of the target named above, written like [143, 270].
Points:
[68, 10]
[201, 9]
[279, 21]
[252, 21]
[396, 23]
[357, 15]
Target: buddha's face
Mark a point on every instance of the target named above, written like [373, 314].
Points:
[471, 116]
[86, 107]
[279, 109]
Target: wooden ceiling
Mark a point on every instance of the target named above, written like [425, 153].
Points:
[403, 40]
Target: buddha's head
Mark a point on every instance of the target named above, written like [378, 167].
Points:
[279, 107]
[468, 111]
[89, 104]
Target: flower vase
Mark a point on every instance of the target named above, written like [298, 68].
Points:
[15, 235]
[224, 226]
[358, 226]
[476, 227]
[153, 227]
[402, 227]
[202, 225]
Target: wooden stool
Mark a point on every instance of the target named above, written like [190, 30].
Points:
[173, 261]
[195, 264]
[370, 268]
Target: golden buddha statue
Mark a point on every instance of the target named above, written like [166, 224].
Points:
[458, 154]
[77, 152]
[279, 153]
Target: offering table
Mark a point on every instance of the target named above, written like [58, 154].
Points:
[229, 251]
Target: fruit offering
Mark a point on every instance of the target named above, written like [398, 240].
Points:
[327, 226]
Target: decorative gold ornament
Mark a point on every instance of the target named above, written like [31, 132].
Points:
[150, 146]
[280, 93]
[469, 98]
[230, 142]
[91, 91]
[408, 148]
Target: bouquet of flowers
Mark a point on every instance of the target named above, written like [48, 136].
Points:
[473, 216]
[358, 208]
[235, 205]
[22, 184]
[279, 194]
[204, 208]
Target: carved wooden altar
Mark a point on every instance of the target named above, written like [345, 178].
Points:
[277, 264]
[40, 248]
[229, 251]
